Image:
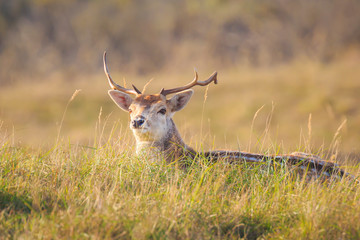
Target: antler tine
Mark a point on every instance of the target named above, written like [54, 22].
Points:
[136, 90]
[212, 78]
[115, 86]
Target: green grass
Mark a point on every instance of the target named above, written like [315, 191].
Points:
[67, 168]
[104, 192]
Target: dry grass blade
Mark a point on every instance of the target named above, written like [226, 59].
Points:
[64, 113]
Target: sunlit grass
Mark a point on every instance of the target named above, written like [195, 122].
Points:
[73, 191]
[67, 168]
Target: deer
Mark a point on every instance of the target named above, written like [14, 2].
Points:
[157, 136]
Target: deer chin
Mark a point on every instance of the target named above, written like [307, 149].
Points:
[148, 135]
[143, 135]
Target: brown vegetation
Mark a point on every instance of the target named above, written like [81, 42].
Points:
[43, 37]
[300, 55]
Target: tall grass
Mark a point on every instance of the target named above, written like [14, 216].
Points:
[104, 192]
[100, 190]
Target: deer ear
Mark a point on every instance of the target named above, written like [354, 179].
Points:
[179, 101]
[121, 99]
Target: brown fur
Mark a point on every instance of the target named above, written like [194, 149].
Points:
[147, 100]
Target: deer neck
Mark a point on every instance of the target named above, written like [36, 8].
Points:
[170, 147]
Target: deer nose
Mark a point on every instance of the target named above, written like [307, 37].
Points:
[138, 122]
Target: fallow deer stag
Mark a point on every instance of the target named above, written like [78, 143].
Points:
[156, 134]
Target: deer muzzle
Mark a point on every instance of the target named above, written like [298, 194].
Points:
[138, 122]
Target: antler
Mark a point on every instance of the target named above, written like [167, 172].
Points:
[195, 82]
[113, 85]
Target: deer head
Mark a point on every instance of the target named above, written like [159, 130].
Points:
[151, 115]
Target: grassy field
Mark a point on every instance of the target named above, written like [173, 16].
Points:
[103, 192]
[67, 168]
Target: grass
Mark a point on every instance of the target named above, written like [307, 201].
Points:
[104, 192]
[67, 168]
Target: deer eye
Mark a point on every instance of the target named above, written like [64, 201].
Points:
[162, 111]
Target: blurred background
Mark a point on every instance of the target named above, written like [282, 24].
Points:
[289, 71]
